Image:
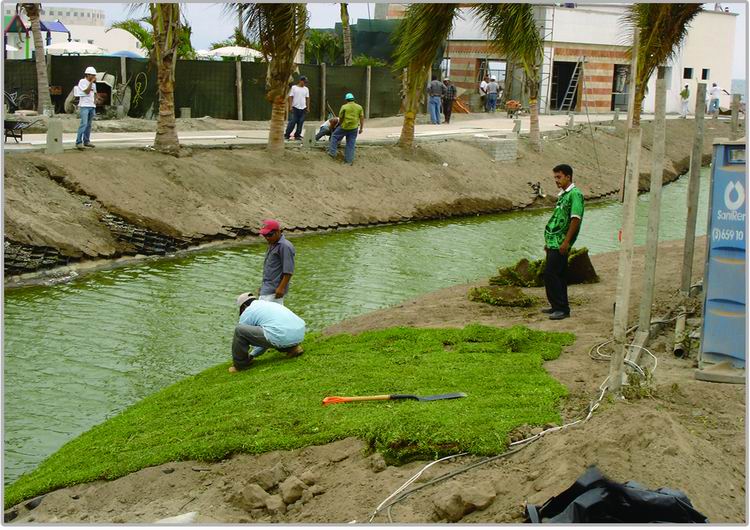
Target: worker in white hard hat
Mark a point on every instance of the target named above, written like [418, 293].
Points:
[86, 93]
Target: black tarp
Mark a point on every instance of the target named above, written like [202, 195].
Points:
[593, 498]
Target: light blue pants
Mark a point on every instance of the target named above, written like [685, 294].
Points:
[84, 129]
[435, 109]
[713, 105]
[351, 141]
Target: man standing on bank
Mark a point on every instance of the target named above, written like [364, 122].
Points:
[278, 265]
[86, 92]
[559, 236]
[351, 123]
[299, 103]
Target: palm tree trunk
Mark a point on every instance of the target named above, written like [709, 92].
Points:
[638, 105]
[276, 132]
[165, 19]
[534, 135]
[347, 35]
[415, 90]
[166, 126]
[43, 97]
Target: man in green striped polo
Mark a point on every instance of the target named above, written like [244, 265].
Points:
[559, 235]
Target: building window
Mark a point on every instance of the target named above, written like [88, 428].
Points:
[67, 14]
[668, 77]
[687, 73]
[88, 15]
[91, 41]
[705, 74]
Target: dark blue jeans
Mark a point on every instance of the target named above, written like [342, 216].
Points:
[296, 118]
[351, 140]
[556, 280]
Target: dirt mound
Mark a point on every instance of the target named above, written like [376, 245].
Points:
[527, 273]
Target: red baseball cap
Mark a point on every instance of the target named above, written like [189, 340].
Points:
[269, 225]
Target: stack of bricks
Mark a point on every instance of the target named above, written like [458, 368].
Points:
[499, 149]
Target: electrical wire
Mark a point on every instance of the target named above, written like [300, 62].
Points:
[400, 494]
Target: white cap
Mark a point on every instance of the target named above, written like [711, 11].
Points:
[244, 297]
[493, 78]
[446, 79]
[90, 70]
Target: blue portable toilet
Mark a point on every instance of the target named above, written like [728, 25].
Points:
[723, 337]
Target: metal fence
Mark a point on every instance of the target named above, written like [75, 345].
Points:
[208, 88]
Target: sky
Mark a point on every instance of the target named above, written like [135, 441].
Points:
[209, 24]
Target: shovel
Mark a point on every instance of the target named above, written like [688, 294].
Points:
[385, 397]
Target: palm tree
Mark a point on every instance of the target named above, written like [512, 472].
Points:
[145, 36]
[418, 38]
[43, 98]
[347, 31]
[280, 31]
[514, 31]
[166, 23]
[662, 28]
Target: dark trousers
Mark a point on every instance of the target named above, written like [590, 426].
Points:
[296, 118]
[556, 281]
[447, 109]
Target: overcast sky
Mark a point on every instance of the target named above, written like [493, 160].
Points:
[209, 24]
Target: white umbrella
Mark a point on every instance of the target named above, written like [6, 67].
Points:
[80, 48]
[237, 51]
[9, 48]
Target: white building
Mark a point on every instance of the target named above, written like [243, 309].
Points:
[594, 40]
[85, 25]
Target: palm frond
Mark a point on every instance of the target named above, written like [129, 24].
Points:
[513, 31]
[420, 34]
[663, 28]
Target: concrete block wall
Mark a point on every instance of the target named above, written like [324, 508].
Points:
[500, 149]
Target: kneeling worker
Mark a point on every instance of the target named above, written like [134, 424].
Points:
[327, 128]
[264, 325]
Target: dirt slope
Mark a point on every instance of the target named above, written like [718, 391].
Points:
[688, 435]
[66, 202]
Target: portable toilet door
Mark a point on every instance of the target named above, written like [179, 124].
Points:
[722, 354]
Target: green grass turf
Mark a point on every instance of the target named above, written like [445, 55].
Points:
[276, 404]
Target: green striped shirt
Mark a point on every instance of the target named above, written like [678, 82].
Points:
[569, 205]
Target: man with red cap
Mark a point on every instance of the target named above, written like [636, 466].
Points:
[278, 265]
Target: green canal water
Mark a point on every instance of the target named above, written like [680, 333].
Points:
[79, 353]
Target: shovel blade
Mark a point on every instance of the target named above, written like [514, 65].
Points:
[454, 395]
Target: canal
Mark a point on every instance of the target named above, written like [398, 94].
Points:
[79, 353]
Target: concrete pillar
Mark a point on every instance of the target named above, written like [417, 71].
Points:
[123, 69]
[308, 137]
[571, 119]
[54, 136]
[517, 126]
[184, 112]
[616, 117]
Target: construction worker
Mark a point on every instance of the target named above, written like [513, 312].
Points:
[264, 325]
[351, 123]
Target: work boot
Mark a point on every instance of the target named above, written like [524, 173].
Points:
[79, 147]
[294, 351]
[547, 311]
[89, 145]
[558, 315]
[233, 369]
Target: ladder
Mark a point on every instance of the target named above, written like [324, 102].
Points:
[570, 93]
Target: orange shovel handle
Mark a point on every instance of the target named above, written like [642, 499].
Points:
[331, 400]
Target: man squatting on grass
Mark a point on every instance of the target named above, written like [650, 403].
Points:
[559, 235]
[278, 265]
[264, 325]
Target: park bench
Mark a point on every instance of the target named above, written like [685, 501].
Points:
[14, 128]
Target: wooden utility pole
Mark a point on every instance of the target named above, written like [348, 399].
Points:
[238, 76]
[367, 92]
[654, 207]
[696, 160]
[323, 91]
[735, 106]
[624, 272]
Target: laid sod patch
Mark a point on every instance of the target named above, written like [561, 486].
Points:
[276, 404]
